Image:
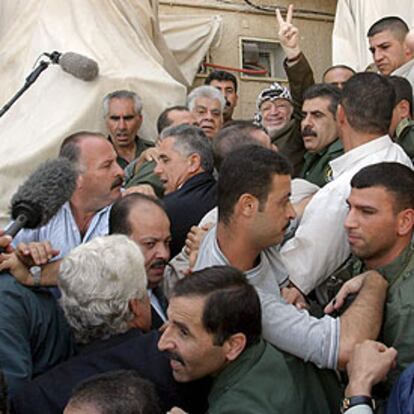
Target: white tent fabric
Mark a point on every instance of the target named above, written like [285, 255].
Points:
[352, 21]
[123, 36]
[189, 38]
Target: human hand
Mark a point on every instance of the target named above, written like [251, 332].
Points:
[176, 410]
[5, 244]
[35, 253]
[369, 364]
[295, 297]
[192, 243]
[288, 33]
[150, 154]
[145, 189]
[350, 287]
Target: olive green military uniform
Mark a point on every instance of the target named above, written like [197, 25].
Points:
[405, 136]
[141, 145]
[316, 168]
[265, 380]
[398, 324]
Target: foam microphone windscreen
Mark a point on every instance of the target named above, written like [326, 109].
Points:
[40, 197]
[79, 66]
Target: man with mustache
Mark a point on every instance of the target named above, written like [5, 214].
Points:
[83, 217]
[277, 108]
[214, 330]
[319, 132]
[144, 220]
[123, 117]
[226, 83]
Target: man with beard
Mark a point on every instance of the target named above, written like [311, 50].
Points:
[319, 132]
[123, 117]
[277, 108]
[144, 220]
[226, 83]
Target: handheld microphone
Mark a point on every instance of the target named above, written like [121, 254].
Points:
[77, 65]
[40, 197]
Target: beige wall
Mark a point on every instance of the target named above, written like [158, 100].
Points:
[241, 20]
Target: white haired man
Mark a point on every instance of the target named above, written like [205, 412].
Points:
[207, 104]
[104, 289]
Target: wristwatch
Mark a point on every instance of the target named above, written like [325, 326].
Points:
[349, 402]
[36, 272]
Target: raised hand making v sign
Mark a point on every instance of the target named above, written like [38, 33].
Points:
[288, 35]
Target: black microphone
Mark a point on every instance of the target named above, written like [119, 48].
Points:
[77, 65]
[40, 197]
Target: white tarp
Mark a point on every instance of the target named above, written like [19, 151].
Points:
[189, 38]
[123, 36]
[352, 21]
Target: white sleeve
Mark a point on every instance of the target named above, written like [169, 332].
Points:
[360, 409]
[320, 244]
[295, 331]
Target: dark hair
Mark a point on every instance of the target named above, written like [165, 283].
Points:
[231, 306]
[368, 101]
[393, 23]
[403, 90]
[70, 146]
[249, 169]
[221, 75]
[396, 178]
[234, 135]
[324, 90]
[163, 121]
[119, 216]
[345, 67]
[117, 392]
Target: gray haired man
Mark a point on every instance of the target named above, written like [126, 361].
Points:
[123, 118]
[207, 105]
[185, 167]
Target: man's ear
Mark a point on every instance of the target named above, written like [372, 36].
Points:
[340, 114]
[194, 161]
[142, 314]
[405, 222]
[247, 205]
[404, 109]
[234, 346]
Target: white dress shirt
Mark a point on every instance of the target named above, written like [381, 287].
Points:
[320, 244]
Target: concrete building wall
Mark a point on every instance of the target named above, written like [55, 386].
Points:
[314, 18]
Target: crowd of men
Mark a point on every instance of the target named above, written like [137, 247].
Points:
[233, 266]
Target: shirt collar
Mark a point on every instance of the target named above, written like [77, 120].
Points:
[351, 158]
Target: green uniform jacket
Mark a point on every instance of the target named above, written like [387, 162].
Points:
[405, 136]
[398, 324]
[316, 168]
[289, 139]
[141, 145]
[264, 380]
[145, 175]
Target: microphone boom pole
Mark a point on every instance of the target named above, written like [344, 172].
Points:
[30, 80]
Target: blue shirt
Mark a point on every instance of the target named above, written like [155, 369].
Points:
[63, 232]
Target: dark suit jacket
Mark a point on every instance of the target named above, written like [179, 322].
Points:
[188, 205]
[49, 393]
